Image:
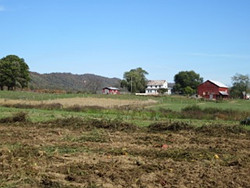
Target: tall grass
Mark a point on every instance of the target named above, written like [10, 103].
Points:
[29, 95]
[24, 95]
[197, 112]
[141, 116]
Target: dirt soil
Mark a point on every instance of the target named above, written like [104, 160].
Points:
[37, 155]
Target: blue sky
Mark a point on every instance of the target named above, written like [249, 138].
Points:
[109, 37]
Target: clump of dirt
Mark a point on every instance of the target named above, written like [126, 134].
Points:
[170, 126]
[19, 117]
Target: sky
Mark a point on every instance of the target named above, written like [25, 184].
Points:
[110, 37]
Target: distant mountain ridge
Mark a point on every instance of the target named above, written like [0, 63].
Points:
[72, 82]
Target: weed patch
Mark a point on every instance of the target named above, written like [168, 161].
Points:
[195, 112]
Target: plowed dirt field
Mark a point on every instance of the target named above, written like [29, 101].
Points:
[50, 155]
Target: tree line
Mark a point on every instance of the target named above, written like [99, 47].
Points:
[186, 82]
[14, 73]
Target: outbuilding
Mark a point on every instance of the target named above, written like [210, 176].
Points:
[213, 90]
[111, 90]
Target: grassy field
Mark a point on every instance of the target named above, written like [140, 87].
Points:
[134, 109]
[80, 140]
[175, 103]
[23, 95]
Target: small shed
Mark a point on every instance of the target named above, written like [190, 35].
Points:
[213, 90]
[111, 90]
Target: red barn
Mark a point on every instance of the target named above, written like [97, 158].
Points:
[110, 90]
[213, 90]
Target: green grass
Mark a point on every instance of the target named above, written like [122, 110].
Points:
[24, 95]
[178, 103]
[64, 149]
[175, 103]
[95, 135]
[141, 117]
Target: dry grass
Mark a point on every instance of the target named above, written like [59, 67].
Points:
[69, 102]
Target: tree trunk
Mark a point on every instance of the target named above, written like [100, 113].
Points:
[10, 88]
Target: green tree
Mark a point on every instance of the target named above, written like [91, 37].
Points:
[162, 91]
[7, 74]
[135, 80]
[188, 90]
[186, 82]
[4, 72]
[14, 72]
[240, 85]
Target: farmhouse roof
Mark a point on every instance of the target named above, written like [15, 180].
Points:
[218, 83]
[155, 82]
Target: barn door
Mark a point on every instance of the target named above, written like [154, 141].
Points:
[211, 96]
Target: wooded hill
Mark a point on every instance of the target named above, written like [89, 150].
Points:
[72, 82]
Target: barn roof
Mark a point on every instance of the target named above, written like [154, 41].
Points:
[218, 83]
[155, 82]
[111, 88]
[223, 93]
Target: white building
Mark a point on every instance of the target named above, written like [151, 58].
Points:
[154, 85]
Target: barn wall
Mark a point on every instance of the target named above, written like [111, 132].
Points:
[110, 91]
[206, 89]
[209, 90]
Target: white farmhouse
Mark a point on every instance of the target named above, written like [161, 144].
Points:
[154, 85]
